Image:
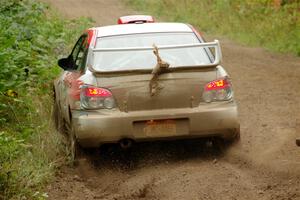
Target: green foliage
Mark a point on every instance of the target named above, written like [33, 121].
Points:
[32, 38]
[253, 22]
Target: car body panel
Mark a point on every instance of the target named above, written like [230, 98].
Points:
[176, 89]
[94, 128]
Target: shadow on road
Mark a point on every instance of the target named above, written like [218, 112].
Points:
[143, 154]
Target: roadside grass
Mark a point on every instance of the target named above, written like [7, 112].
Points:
[32, 38]
[251, 22]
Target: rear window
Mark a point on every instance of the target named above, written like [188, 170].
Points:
[145, 59]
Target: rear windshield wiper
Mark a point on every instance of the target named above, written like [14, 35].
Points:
[161, 67]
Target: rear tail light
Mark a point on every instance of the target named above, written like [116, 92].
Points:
[218, 90]
[96, 98]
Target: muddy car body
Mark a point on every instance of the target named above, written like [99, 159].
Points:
[146, 81]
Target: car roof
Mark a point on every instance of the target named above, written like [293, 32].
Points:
[126, 29]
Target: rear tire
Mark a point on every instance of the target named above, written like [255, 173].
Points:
[75, 150]
[55, 115]
[58, 120]
[298, 142]
[222, 144]
[235, 138]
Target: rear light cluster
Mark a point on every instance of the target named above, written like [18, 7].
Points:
[218, 90]
[96, 98]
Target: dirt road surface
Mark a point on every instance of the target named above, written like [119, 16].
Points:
[265, 165]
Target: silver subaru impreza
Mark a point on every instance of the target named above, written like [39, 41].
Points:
[141, 80]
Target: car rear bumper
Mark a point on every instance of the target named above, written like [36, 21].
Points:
[93, 128]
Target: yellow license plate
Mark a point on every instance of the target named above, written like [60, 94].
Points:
[160, 128]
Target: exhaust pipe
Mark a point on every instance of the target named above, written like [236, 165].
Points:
[125, 143]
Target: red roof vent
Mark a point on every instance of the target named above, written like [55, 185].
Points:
[130, 19]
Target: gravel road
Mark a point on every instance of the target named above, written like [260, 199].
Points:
[265, 165]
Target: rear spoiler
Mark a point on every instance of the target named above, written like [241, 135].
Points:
[215, 44]
[130, 19]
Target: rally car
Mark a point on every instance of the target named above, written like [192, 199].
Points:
[142, 80]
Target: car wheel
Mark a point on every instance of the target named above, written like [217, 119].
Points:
[235, 138]
[75, 150]
[55, 115]
[58, 121]
[298, 142]
[222, 144]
